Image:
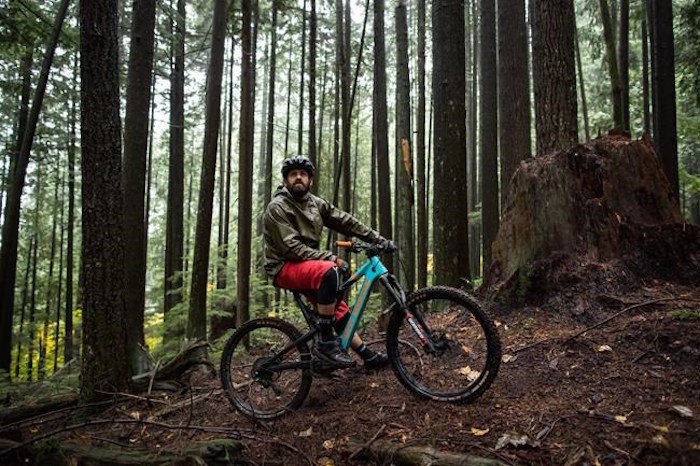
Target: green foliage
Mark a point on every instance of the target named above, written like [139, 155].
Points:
[688, 315]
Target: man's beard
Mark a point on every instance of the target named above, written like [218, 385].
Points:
[299, 189]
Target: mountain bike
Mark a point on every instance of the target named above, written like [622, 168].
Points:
[440, 341]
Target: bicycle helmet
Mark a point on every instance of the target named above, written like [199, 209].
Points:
[296, 162]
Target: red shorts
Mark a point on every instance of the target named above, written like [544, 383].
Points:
[305, 277]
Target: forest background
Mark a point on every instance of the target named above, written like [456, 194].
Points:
[213, 95]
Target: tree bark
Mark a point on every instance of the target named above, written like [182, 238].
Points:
[313, 37]
[450, 222]
[245, 168]
[664, 91]
[381, 125]
[105, 357]
[421, 188]
[197, 320]
[624, 62]
[300, 140]
[404, 157]
[613, 69]
[582, 86]
[554, 74]
[136, 124]
[513, 91]
[174, 248]
[10, 229]
[70, 236]
[488, 129]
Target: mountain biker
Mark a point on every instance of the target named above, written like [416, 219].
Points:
[292, 225]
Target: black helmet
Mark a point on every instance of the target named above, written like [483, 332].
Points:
[298, 161]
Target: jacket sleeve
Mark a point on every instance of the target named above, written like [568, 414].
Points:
[285, 239]
[346, 224]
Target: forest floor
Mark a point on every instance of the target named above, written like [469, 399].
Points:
[624, 392]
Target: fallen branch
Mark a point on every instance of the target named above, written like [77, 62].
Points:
[369, 442]
[384, 452]
[627, 309]
[38, 408]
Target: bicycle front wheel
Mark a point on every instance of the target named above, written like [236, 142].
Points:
[260, 381]
[465, 352]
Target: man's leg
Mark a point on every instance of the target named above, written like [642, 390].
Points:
[321, 277]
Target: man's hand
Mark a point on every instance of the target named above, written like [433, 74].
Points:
[386, 245]
[343, 266]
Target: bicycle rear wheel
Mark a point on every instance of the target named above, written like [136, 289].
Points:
[249, 373]
[467, 351]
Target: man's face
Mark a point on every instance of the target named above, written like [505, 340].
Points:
[298, 182]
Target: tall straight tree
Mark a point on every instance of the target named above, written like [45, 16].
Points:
[105, 363]
[613, 68]
[513, 90]
[664, 89]
[10, 229]
[267, 189]
[554, 74]
[422, 192]
[136, 126]
[473, 190]
[174, 247]
[450, 217]
[197, 320]
[404, 157]
[313, 37]
[380, 124]
[302, 76]
[245, 166]
[70, 235]
[623, 61]
[488, 128]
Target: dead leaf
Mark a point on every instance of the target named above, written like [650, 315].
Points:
[660, 440]
[479, 432]
[515, 440]
[328, 444]
[307, 432]
[506, 358]
[604, 348]
[621, 419]
[324, 461]
[684, 411]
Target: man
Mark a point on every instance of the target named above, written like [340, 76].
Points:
[292, 227]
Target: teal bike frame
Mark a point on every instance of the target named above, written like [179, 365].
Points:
[372, 270]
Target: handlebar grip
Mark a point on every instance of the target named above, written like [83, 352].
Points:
[344, 244]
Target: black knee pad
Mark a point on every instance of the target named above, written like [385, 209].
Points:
[328, 291]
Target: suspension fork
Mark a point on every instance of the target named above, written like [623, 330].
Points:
[415, 320]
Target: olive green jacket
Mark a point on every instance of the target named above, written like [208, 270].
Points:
[292, 229]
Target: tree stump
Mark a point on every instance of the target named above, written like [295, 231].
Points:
[599, 212]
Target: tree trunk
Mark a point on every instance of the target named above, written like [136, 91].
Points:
[381, 125]
[664, 91]
[582, 86]
[10, 229]
[488, 128]
[197, 319]
[59, 298]
[422, 192]
[105, 356]
[174, 249]
[23, 308]
[513, 91]
[43, 340]
[136, 124]
[68, 343]
[245, 168]
[613, 69]
[313, 37]
[554, 74]
[450, 224]
[222, 281]
[404, 157]
[32, 293]
[473, 188]
[300, 140]
[645, 79]
[269, 144]
[623, 61]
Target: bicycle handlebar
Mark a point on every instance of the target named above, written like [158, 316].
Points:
[371, 250]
